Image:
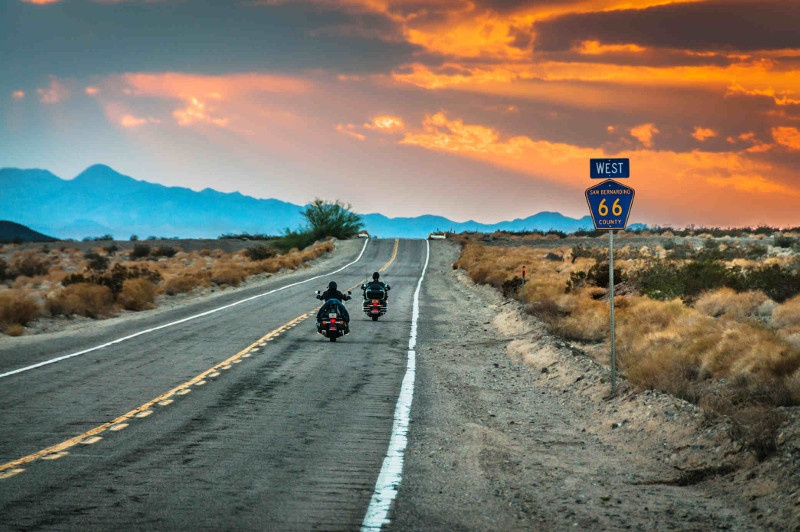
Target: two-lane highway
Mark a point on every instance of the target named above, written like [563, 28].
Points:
[231, 414]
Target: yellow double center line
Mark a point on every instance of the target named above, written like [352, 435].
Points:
[178, 390]
[12, 468]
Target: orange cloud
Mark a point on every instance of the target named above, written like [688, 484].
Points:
[386, 123]
[703, 133]
[53, 94]
[644, 134]
[787, 136]
[131, 121]
[18, 95]
[177, 85]
[668, 184]
[197, 112]
[40, 2]
[439, 133]
[91, 91]
[212, 100]
[349, 129]
[596, 48]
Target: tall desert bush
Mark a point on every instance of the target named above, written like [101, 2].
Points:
[730, 304]
[137, 294]
[82, 299]
[786, 316]
[17, 307]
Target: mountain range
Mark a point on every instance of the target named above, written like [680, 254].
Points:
[101, 201]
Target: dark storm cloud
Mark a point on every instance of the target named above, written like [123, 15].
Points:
[732, 25]
[513, 6]
[81, 38]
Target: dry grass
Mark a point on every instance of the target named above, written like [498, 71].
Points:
[786, 316]
[726, 302]
[17, 308]
[137, 294]
[227, 276]
[184, 283]
[82, 299]
[38, 274]
[744, 339]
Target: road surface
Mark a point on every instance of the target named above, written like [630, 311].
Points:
[231, 413]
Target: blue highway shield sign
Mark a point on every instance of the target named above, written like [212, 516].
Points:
[610, 204]
[609, 168]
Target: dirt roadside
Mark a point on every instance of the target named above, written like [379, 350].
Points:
[513, 429]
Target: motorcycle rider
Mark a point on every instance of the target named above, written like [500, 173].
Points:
[376, 284]
[333, 298]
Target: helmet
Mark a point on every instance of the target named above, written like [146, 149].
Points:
[376, 276]
[332, 285]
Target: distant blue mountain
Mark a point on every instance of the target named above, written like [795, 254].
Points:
[102, 201]
[421, 226]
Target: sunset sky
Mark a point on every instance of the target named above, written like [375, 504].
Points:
[483, 110]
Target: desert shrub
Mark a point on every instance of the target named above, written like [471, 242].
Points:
[260, 252]
[727, 302]
[4, 270]
[137, 294]
[96, 262]
[331, 219]
[15, 329]
[82, 299]
[787, 314]
[784, 241]
[17, 307]
[668, 279]
[164, 251]
[294, 240]
[683, 250]
[114, 278]
[29, 263]
[777, 283]
[183, 283]
[597, 275]
[227, 276]
[587, 321]
[140, 251]
[585, 251]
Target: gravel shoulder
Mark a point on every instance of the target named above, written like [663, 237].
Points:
[513, 429]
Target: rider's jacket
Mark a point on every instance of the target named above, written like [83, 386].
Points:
[334, 294]
[375, 286]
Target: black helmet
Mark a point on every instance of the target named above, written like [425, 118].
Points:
[332, 285]
[376, 276]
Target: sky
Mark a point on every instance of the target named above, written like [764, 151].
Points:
[470, 109]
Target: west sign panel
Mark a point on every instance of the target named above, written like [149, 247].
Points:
[610, 204]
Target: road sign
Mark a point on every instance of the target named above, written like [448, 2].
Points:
[609, 168]
[610, 204]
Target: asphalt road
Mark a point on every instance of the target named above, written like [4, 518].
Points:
[240, 418]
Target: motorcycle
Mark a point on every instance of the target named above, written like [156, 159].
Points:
[374, 305]
[332, 325]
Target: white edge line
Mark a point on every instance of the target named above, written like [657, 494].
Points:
[391, 473]
[178, 322]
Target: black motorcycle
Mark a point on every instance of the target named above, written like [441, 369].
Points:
[331, 323]
[374, 305]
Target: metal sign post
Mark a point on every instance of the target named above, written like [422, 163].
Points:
[610, 205]
[611, 308]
